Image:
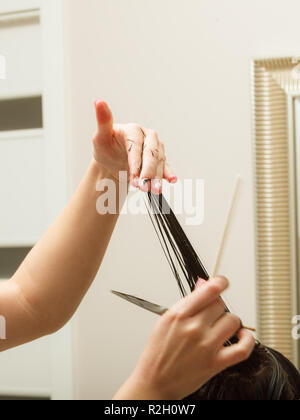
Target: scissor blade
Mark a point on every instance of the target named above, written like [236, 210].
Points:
[152, 307]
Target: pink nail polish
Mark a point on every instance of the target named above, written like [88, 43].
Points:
[157, 186]
[98, 101]
[103, 112]
[200, 283]
[144, 186]
[173, 180]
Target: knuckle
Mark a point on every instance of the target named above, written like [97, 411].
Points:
[180, 314]
[218, 285]
[243, 353]
[221, 305]
[133, 129]
[213, 289]
[235, 321]
[153, 155]
[153, 133]
[133, 126]
[223, 280]
[205, 346]
[244, 350]
[162, 158]
[170, 315]
[167, 318]
[192, 330]
[219, 311]
[174, 315]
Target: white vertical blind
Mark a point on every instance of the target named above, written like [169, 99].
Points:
[273, 81]
[297, 114]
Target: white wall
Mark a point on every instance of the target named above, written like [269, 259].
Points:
[182, 68]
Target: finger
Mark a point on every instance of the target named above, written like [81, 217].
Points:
[151, 159]
[209, 316]
[169, 174]
[220, 303]
[225, 328]
[237, 353]
[105, 122]
[156, 184]
[201, 298]
[201, 282]
[135, 140]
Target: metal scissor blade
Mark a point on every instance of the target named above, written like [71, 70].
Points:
[152, 307]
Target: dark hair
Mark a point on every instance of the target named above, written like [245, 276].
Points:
[267, 374]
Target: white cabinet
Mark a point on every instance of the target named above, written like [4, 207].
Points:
[26, 371]
[24, 64]
[33, 174]
[22, 188]
[22, 142]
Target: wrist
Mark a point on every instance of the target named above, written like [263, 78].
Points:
[100, 171]
[139, 388]
[104, 173]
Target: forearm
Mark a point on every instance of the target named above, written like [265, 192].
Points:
[50, 284]
[57, 273]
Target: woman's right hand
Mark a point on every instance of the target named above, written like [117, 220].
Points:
[186, 348]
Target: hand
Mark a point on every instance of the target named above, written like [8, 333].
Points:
[130, 148]
[186, 349]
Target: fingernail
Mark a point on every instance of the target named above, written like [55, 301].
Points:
[200, 283]
[136, 182]
[157, 185]
[102, 103]
[144, 185]
[173, 180]
[104, 115]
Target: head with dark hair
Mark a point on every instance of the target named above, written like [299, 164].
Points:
[267, 374]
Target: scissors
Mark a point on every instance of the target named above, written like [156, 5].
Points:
[148, 306]
[153, 307]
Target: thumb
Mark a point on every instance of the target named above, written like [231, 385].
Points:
[104, 120]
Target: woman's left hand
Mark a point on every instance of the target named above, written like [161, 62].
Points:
[131, 148]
